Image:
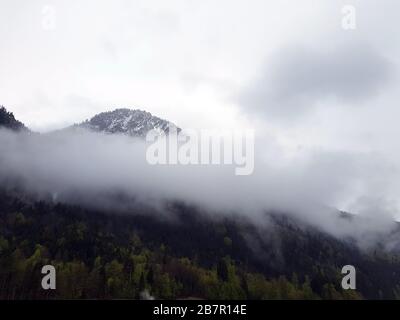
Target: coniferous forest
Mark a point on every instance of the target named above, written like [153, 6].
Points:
[106, 256]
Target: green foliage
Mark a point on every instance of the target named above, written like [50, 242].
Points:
[101, 256]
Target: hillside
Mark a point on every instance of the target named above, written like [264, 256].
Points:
[108, 255]
[177, 250]
[8, 120]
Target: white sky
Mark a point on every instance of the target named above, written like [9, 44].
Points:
[191, 62]
[63, 61]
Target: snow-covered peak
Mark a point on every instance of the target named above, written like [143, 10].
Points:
[127, 121]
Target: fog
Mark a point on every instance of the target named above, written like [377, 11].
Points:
[89, 168]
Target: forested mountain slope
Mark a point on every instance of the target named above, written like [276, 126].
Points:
[175, 251]
[108, 255]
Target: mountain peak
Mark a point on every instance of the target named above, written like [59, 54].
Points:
[133, 122]
[8, 120]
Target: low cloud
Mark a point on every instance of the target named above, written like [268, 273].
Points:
[96, 170]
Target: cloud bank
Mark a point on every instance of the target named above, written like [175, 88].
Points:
[92, 168]
[298, 79]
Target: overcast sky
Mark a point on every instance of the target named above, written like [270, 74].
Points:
[200, 63]
[287, 68]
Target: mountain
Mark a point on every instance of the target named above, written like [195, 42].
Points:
[8, 120]
[104, 255]
[130, 122]
[176, 250]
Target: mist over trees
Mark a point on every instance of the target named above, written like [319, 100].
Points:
[7, 120]
[103, 255]
[175, 249]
